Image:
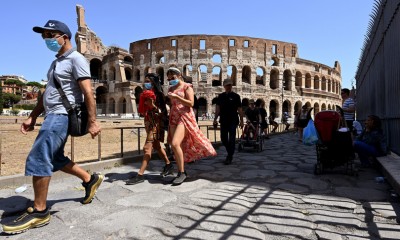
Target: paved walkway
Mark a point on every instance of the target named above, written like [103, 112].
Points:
[268, 195]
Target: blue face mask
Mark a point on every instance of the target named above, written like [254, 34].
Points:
[173, 82]
[148, 85]
[52, 44]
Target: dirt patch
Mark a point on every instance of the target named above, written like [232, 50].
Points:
[118, 135]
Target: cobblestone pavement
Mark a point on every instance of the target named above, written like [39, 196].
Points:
[272, 194]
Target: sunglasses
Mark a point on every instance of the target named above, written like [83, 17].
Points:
[51, 35]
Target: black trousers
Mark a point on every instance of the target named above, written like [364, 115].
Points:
[228, 137]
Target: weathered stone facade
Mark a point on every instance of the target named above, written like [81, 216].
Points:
[260, 69]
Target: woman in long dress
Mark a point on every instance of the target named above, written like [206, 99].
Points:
[186, 139]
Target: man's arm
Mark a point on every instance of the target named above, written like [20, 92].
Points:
[29, 124]
[93, 126]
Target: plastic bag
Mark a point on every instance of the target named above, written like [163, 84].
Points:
[310, 135]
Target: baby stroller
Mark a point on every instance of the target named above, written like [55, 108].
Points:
[335, 145]
[251, 137]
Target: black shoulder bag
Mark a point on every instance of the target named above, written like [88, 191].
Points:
[77, 115]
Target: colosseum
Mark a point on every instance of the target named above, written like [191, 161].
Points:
[259, 68]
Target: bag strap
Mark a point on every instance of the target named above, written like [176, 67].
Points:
[64, 98]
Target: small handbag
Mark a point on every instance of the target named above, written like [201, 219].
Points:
[77, 115]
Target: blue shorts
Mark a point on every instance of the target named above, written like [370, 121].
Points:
[47, 153]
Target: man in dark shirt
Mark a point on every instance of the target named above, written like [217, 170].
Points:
[228, 107]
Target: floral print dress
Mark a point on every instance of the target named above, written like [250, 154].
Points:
[194, 145]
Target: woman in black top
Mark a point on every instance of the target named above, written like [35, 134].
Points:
[260, 104]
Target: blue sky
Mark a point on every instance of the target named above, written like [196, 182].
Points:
[324, 31]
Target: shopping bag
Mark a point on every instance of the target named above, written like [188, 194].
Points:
[310, 135]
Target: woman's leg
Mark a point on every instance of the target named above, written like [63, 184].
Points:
[300, 129]
[178, 133]
[364, 151]
[147, 149]
[161, 152]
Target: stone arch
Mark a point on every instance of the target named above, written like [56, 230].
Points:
[329, 85]
[111, 106]
[216, 58]
[329, 107]
[128, 74]
[273, 106]
[323, 84]
[232, 73]
[274, 62]
[323, 107]
[299, 79]
[286, 106]
[308, 80]
[246, 74]
[187, 70]
[274, 79]
[216, 76]
[95, 68]
[128, 59]
[260, 78]
[122, 105]
[316, 82]
[160, 58]
[202, 106]
[138, 91]
[316, 108]
[202, 73]
[287, 80]
[297, 107]
[136, 74]
[101, 100]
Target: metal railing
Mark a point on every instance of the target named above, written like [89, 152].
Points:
[113, 142]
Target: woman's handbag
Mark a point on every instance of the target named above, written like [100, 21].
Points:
[310, 135]
[77, 115]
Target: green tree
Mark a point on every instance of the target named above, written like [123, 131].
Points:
[10, 99]
[35, 84]
[14, 81]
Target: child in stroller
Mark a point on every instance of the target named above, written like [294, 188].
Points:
[251, 135]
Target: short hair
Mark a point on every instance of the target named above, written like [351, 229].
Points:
[346, 90]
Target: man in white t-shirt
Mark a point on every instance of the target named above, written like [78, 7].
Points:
[348, 107]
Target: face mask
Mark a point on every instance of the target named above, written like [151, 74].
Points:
[52, 44]
[173, 82]
[148, 86]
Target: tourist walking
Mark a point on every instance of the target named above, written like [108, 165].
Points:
[301, 120]
[186, 139]
[272, 121]
[348, 107]
[285, 119]
[72, 72]
[229, 110]
[152, 106]
[260, 104]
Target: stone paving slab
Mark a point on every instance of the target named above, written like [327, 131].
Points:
[271, 194]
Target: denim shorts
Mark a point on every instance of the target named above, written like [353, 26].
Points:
[47, 153]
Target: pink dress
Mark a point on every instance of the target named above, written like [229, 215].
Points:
[194, 145]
